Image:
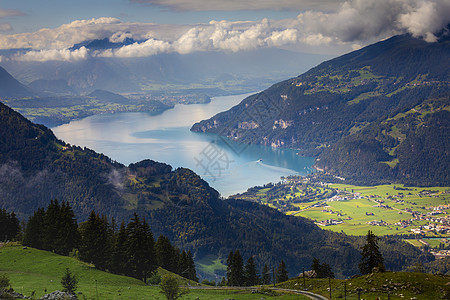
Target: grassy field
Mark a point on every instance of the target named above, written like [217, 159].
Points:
[354, 210]
[398, 285]
[212, 266]
[39, 272]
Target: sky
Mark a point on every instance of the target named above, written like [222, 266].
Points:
[48, 28]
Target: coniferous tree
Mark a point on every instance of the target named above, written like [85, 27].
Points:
[119, 253]
[51, 224]
[95, 247]
[165, 254]
[35, 230]
[192, 274]
[250, 273]
[140, 249]
[370, 255]
[235, 269]
[68, 236]
[282, 273]
[9, 225]
[183, 266]
[265, 275]
[69, 282]
[322, 270]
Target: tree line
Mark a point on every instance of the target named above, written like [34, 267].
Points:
[128, 249]
[9, 225]
[239, 274]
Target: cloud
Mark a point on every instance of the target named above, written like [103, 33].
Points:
[10, 13]
[147, 48]
[361, 20]
[426, 18]
[54, 54]
[243, 5]
[66, 35]
[353, 24]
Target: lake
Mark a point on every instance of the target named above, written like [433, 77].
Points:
[227, 166]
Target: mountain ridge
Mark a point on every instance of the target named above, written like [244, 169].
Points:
[360, 96]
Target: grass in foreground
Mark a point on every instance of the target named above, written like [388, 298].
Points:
[38, 272]
[399, 285]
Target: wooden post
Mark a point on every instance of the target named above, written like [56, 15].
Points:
[304, 280]
[329, 284]
[273, 274]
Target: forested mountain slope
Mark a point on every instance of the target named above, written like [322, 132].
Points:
[361, 114]
[36, 167]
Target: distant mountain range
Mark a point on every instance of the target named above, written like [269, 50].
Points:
[379, 114]
[36, 167]
[216, 72]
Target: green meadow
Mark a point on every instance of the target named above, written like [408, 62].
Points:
[35, 272]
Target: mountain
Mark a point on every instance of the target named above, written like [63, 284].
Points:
[379, 114]
[11, 88]
[51, 87]
[108, 96]
[252, 70]
[103, 44]
[36, 167]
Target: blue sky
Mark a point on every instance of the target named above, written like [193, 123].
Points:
[50, 27]
[37, 14]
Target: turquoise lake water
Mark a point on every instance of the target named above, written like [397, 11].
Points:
[227, 166]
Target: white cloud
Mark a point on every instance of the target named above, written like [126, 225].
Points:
[361, 20]
[425, 18]
[147, 48]
[54, 54]
[354, 24]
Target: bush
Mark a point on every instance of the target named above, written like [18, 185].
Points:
[170, 288]
[155, 279]
[4, 281]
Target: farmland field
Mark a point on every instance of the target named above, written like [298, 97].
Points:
[383, 209]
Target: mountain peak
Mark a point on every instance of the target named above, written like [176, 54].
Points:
[11, 88]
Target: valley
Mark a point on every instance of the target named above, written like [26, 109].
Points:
[385, 209]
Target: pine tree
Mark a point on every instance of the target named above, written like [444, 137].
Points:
[140, 249]
[183, 266]
[370, 255]
[35, 230]
[68, 236]
[235, 269]
[192, 274]
[282, 274]
[119, 257]
[322, 270]
[265, 275]
[250, 273]
[69, 282]
[165, 254]
[95, 243]
[9, 225]
[51, 225]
